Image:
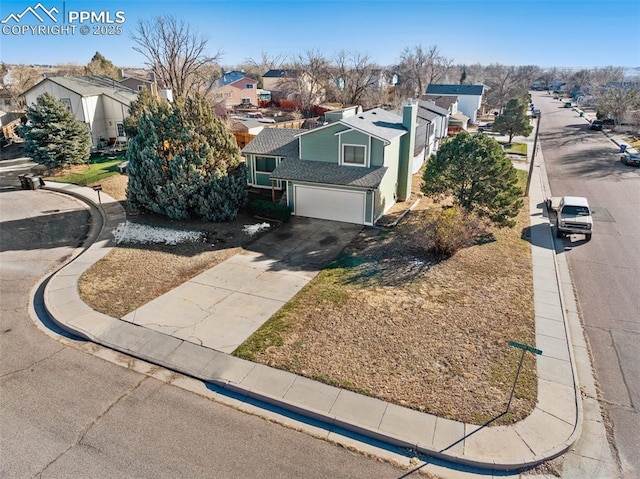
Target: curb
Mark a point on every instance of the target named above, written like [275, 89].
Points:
[175, 354]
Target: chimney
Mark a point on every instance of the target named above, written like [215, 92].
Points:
[407, 145]
[167, 94]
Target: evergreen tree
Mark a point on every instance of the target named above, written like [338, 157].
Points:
[99, 65]
[477, 173]
[514, 120]
[184, 162]
[145, 102]
[53, 136]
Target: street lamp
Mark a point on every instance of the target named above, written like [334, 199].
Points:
[533, 154]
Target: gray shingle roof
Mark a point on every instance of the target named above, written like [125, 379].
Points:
[328, 173]
[440, 89]
[96, 85]
[275, 142]
[438, 104]
[377, 122]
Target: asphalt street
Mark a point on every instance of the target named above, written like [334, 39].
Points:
[66, 412]
[605, 270]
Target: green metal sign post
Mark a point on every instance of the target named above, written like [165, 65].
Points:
[524, 348]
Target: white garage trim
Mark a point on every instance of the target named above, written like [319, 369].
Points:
[333, 204]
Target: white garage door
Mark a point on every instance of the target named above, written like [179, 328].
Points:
[328, 204]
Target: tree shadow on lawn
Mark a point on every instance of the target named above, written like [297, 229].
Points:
[389, 258]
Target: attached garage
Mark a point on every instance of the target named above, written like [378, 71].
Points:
[330, 204]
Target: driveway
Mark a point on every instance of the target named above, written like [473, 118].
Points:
[226, 304]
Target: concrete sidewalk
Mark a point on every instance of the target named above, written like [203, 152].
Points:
[550, 430]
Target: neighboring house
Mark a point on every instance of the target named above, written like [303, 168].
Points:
[99, 102]
[229, 77]
[469, 97]
[439, 117]
[351, 170]
[139, 82]
[272, 80]
[241, 92]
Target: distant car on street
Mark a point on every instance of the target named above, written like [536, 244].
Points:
[568, 104]
[596, 125]
[486, 127]
[632, 159]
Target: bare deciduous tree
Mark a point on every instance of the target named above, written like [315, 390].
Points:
[177, 55]
[503, 83]
[353, 75]
[307, 80]
[618, 100]
[419, 67]
[19, 78]
[255, 68]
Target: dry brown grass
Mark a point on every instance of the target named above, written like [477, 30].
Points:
[390, 321]
[387, 319]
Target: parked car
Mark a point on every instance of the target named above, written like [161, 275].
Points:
[596, 125]
[568, 104]
[486, 127]
[632, 159]
[608, 122]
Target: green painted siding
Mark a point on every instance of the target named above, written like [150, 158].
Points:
[321, 144]
[262, 179]
[386, 196]
[377, 152]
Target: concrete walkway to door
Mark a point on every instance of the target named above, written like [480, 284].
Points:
[226, 304]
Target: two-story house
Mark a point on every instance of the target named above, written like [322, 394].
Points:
[352, 170]
[237, 92]
[98, 101]
[469, 97]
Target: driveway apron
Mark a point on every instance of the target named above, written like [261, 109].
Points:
[223, 306]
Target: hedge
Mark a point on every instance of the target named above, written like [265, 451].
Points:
[270, 210]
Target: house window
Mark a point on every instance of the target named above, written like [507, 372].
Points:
[354, 155]
[246, 101]
[265, 164]
[140, 87]
[7, 102]
[67, 103]
[120, 128]
[249, 86]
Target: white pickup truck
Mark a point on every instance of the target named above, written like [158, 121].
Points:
[573, 215]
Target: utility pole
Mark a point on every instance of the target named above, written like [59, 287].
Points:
[533, 154]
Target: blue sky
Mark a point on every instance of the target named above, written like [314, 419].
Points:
[569, 33]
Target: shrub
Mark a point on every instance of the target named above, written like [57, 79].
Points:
[452, 230]
[270, 210]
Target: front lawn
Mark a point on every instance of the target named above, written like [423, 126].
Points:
[515, 148]
[99, 167]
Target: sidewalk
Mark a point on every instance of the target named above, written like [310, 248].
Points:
[550, 430]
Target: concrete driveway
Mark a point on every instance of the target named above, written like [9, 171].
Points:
[226, 304]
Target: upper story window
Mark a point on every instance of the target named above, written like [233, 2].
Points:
[249, 86]
[355, 155]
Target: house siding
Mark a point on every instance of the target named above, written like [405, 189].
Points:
[387, 189]
[259, 179]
